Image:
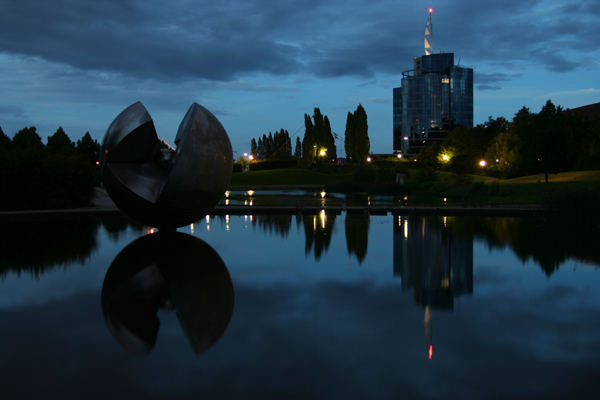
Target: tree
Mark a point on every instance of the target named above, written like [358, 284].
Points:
[309, 146]
[27, 139]
[60, 143]
[349, 136]
[318, 144]
[356, 142]
[549, 136]
[5, 143]
[298, 151]
[523, 126]
[329, 140]
[88, 148]
[504, 154]
[278, 145]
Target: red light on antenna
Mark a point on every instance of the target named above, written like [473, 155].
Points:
[430, 10]
[430, 351]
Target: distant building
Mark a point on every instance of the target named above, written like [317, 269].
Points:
[435, 96]
[585, 112]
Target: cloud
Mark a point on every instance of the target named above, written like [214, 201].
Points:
[488, 87]
[209, 40]
[494, 77]
[380, 100]
[12, 111]
[554, 62]
[331, 340]
[577, 92]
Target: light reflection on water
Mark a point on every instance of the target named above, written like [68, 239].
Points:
[334, 306]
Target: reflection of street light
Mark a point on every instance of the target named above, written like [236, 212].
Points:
[482, 163]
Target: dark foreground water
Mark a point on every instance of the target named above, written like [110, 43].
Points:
[301, 307]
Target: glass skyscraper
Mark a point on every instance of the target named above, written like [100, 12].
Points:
[435, 96]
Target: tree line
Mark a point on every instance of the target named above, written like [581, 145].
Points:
[59, 174]
[272, 146]
[318, 143]
[550, 141]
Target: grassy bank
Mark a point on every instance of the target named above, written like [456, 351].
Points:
[290, 176]
[428, 187]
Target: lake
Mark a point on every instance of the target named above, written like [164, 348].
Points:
[307, 306]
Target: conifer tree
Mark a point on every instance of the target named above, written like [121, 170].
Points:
[27, 139]
[298, 151]
[318, 143]
[5, 142]
[356, 141]
[60, 142]
[88, 147]
[349, 137]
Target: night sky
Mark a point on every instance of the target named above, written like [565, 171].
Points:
[260, 65]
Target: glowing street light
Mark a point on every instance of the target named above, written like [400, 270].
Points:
[482, 163]
[250, 157]
[369, 159]
[399, 155]
[323, 152]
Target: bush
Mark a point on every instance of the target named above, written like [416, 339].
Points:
[386, 175]
[273, 164]
[365, 174]
[237, 167]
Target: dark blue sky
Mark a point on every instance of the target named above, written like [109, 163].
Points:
[260, 65]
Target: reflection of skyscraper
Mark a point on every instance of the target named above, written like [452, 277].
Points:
[432, 261]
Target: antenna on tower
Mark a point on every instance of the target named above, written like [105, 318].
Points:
[429, 34]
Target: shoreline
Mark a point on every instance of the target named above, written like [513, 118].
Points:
[517, 210]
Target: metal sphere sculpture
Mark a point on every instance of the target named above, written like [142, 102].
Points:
[160, 186]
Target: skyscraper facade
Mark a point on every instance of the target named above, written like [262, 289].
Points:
[435, 95]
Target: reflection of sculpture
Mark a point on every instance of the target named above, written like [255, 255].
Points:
[159, 186]
[170, 271]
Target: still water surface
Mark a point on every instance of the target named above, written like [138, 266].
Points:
[301, 307]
